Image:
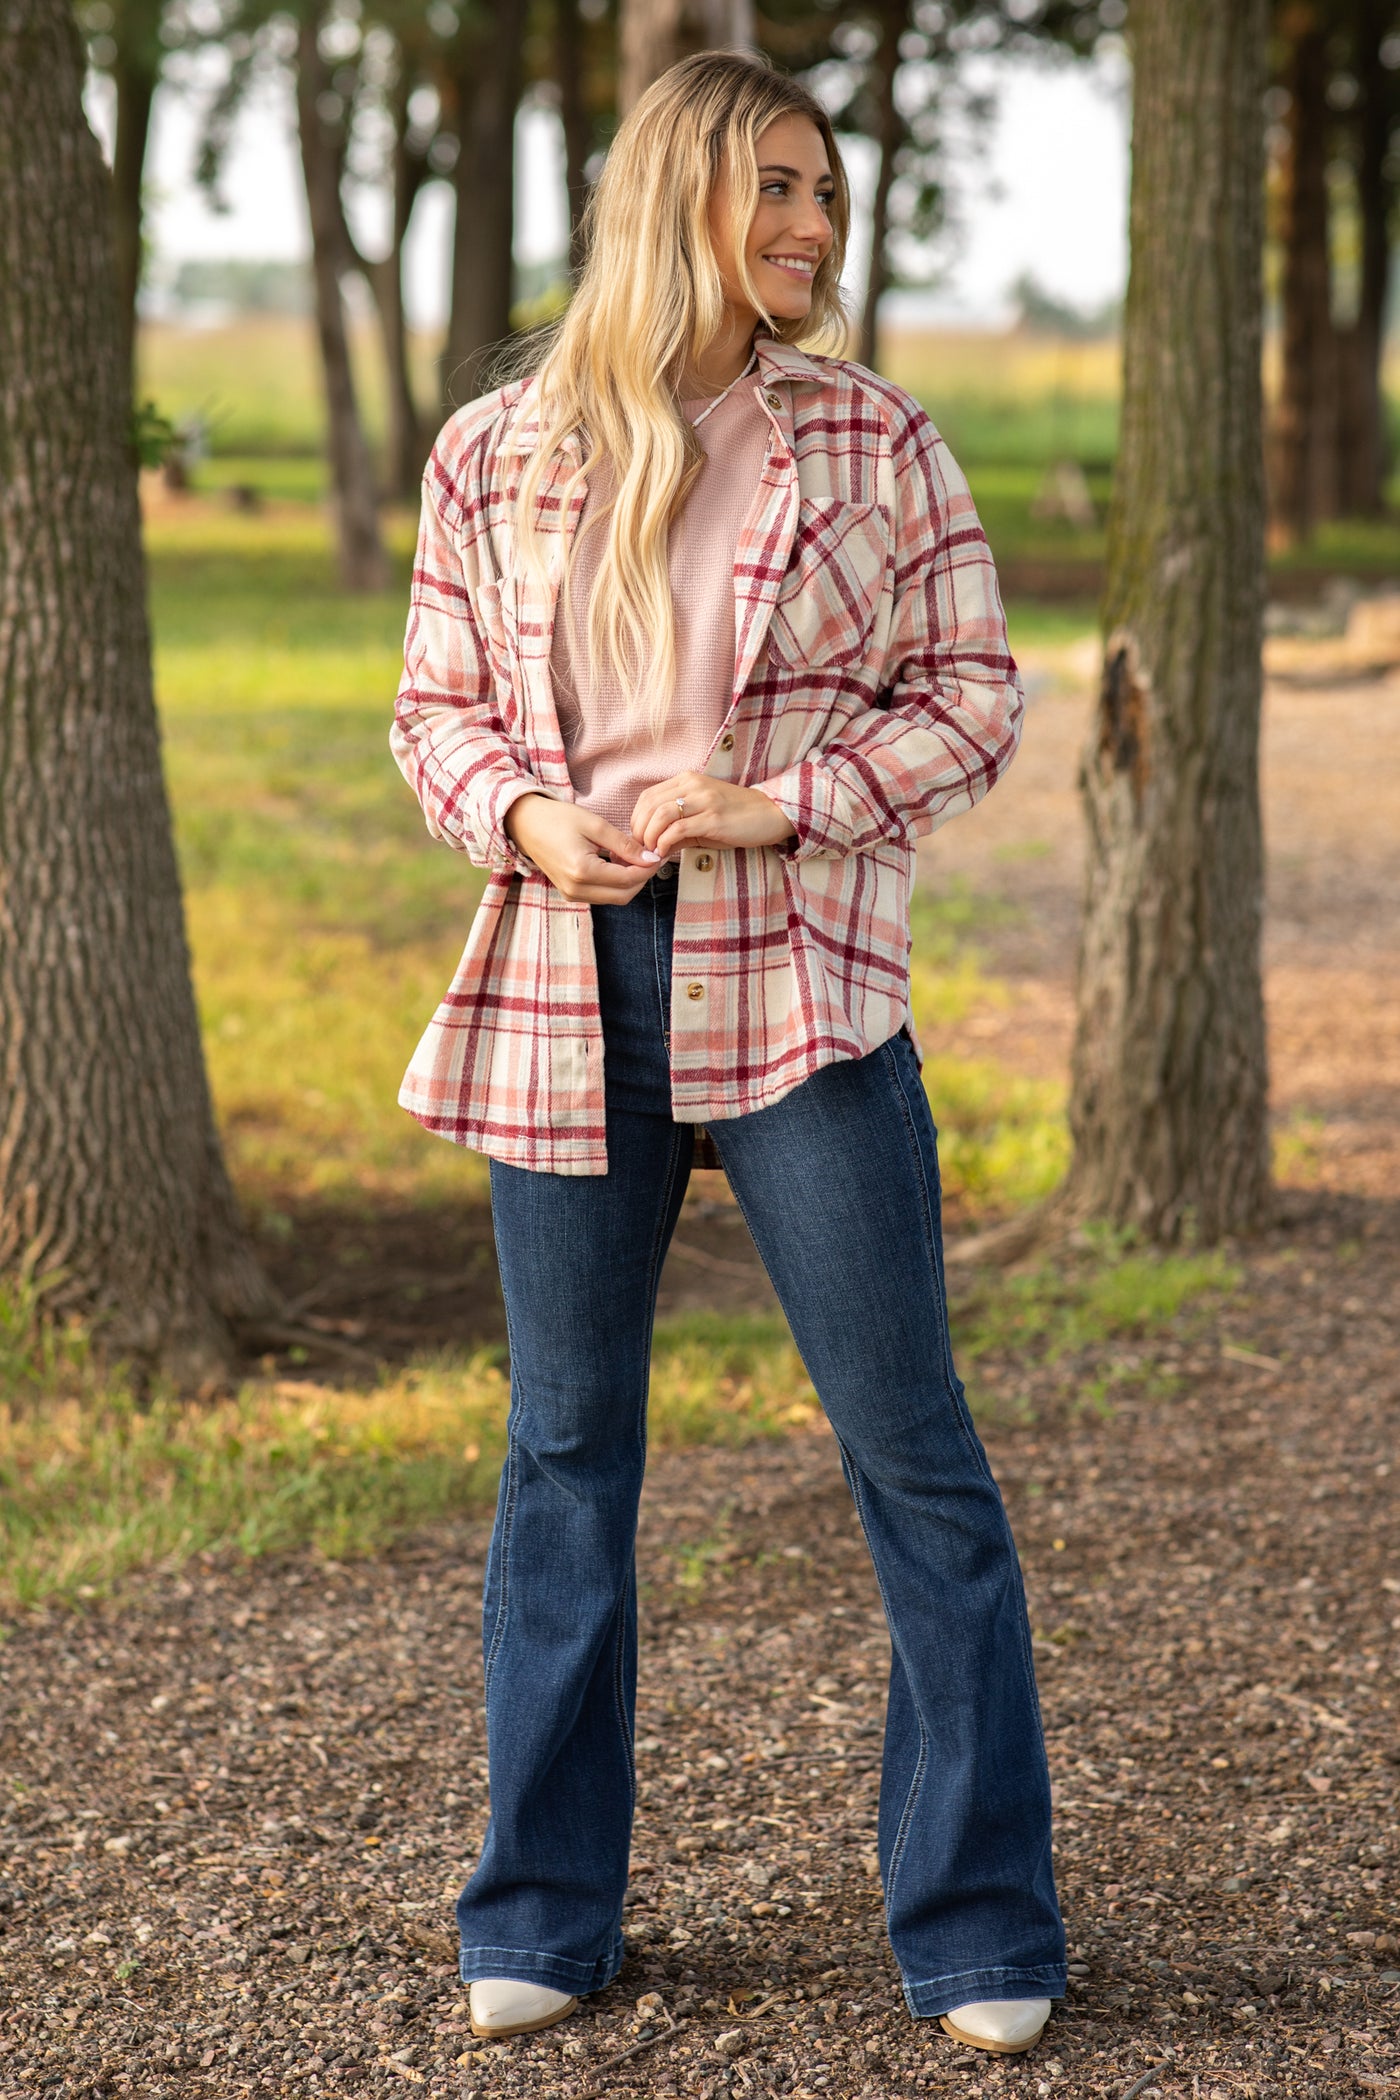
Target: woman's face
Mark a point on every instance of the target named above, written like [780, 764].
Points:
[791, 231]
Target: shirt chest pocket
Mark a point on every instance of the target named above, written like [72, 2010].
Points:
[828, 600]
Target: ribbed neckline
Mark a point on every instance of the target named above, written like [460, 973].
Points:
[712, 401]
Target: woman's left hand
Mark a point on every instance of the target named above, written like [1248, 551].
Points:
[716, 813]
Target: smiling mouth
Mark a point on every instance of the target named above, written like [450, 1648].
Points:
[799, 266]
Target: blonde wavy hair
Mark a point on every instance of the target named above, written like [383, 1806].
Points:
[648, 301]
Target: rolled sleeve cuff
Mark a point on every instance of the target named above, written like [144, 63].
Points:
[812, 802]
[502, 855]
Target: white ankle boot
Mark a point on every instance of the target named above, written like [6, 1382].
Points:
[1004, 2025]
[501, 2006]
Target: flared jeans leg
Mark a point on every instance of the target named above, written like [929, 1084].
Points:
[839, 1184]
[580, 1258]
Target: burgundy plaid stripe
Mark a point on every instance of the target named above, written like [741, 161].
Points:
[874, 698]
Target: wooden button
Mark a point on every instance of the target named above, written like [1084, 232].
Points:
[773, 400]
[704, 862]
[726, 742]
[695, 991]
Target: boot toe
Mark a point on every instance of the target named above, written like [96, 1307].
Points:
[500, 2005]
[1004, 2025]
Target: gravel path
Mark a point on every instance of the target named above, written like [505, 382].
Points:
[237, 1802]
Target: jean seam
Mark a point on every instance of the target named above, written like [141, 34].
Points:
[931, 1251]
[906, 1814]
[507, 1528]
[512, 1477]
[1023, 1640]
[653, 1277]
[662, 998]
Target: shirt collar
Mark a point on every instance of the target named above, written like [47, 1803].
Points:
[776, 360]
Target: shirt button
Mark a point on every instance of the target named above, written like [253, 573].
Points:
[695, 991]
[704, 862]
[726, 742]
[773, 400]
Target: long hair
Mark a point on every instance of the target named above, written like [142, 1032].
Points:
[648, 301]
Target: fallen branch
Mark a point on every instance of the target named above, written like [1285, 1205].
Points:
[610, 2063]
[1147, 2077]
[275, 1335]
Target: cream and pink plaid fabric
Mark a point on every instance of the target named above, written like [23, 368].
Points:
[874, 697]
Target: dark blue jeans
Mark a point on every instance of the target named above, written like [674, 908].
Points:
[839, 1184]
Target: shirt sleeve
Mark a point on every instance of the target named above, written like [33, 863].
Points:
[948, 712]
[449, 737]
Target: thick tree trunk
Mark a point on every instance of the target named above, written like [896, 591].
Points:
[135, 84]
[1169, 1095]
[1361, 447]
[111, 1180]
[486, 79]
[885, 68]
[362, 563]
[1304, 444]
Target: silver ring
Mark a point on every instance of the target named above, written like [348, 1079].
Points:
[680, 804]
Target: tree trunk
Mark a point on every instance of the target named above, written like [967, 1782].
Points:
[653, 34]
[885, 69]
[1169, 1094]
[1361, 448]
[649, 40]
[573, 115]
[111, 1179]
[362, 563]
[135, 84]
[487, 74]
[1304, 444]
[408, 450]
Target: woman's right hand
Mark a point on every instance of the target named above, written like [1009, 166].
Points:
[569, 844]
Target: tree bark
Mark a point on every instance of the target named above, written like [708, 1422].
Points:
[362, 563]
[112, 1185]
[1361, 447]
[1304, 447]
[888, 130]
[134, 79]
[486, 75]
[1169, 1090]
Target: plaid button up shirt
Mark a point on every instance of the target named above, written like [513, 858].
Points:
[874, 697]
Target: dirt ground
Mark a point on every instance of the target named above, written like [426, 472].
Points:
[237, 1803]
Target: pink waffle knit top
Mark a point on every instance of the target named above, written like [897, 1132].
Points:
[611, 762]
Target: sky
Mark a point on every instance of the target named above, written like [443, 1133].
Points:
[1045, 193]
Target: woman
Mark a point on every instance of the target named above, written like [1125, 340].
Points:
[704, 633]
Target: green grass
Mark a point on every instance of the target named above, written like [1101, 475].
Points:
[93, 1485]
[325, 925]
[1073, 1317]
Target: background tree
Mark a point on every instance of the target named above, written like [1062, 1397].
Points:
[653, 34]
[1336, 67]
[483, 73]
[1169, 1096]
[125, 42]
[321, 135]
[897, 72]
[111, 1180]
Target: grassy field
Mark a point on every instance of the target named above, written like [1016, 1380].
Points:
[325, 926]
[1009, 404]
